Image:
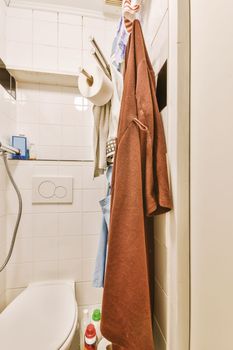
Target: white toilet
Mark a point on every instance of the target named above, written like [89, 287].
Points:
[43, 317]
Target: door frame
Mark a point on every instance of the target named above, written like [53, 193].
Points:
[179, 159]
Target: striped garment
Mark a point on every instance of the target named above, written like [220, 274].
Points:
[130, 8]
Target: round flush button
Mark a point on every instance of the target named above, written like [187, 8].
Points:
[60, 192]
[47, 189]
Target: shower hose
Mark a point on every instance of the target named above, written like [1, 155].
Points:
[2, 267]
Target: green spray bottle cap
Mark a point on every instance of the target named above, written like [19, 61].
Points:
[96, 316]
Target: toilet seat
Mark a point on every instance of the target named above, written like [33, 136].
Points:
[42, 317]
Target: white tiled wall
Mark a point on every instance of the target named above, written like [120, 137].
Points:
[54, 41]
[7, 128]
[55, 241]
[57, 120]
[2, 30]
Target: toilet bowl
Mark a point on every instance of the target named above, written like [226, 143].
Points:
[43, 317]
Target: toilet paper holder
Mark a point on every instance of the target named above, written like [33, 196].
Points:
[87, 75]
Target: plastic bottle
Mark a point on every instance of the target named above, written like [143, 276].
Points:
[90, 342]
[84, 323]
[32, 151]
[96, 317]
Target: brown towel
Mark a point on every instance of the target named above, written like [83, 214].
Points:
[139, 189]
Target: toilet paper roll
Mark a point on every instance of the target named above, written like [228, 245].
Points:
[100, 91]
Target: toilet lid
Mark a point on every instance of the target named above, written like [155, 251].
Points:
[40, 318]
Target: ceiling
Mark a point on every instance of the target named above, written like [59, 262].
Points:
[93, 5]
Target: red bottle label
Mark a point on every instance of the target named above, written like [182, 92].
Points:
[90, 347]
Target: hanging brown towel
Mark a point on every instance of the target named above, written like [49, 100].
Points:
[140, 189]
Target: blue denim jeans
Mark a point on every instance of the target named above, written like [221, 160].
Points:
[98, 278]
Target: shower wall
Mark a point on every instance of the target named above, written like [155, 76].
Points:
[7, 128]
[55, 241]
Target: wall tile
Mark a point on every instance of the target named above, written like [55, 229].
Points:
[26, 226]
[23, 250]
[90, 182]
[70, 19]
[45, 58]
[45, 33]
[92, 223]
[91, 200]
[70, 36]
[72, 136]
[50, 93]
[28, 112]
[48, 152]
[31, 131]
[70, 247]
[76, 206]
[93, 27]
[27, 92]
[50, 16]
[90, 245]
[18, 275]
[19, 30]
[19, 12]
[45, 169]
[19, 54]
[45, 224]
[73, 115]
[50, 113]
[49, 135]
[45, 248]
[70, 224]
[43, 271]
[74, 153]
[88, 266]
[69, 60]
[75, 171]
[22, 175]
[60, 241]
[71, 96]
[70, 269]
[87, 295]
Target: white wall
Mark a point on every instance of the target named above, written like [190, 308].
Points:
[2, 30]
[7, 128]
[53, 41]
[57, 120]
[54, 241]
[211, 175]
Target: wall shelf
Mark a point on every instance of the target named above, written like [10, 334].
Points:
[43, 77]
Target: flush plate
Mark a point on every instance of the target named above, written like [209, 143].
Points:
[52, 190]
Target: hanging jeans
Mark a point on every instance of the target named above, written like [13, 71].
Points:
[98, 279]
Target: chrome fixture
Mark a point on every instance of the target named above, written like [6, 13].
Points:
[9, 149]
